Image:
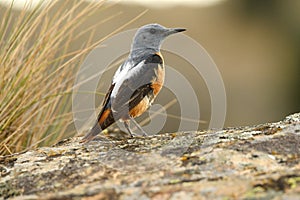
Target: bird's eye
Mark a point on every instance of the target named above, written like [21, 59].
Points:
[152, 30]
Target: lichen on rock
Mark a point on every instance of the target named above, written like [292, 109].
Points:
[246, 162]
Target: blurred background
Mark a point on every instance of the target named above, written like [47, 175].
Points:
[255, 45]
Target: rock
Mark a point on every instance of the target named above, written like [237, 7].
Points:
[255, 162]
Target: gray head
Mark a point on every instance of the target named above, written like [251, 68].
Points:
[151, 36]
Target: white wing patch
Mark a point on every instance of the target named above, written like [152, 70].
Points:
[127, 72]
[119, 74]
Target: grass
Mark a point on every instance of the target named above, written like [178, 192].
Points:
[37, 72]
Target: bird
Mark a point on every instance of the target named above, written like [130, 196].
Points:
[137, 81]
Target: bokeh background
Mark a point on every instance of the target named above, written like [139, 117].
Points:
[254, 43]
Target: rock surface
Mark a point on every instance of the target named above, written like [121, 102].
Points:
[258, 162]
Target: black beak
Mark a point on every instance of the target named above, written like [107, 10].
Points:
[171, 31]
[179, 30]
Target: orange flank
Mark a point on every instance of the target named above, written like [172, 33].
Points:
[139, 108]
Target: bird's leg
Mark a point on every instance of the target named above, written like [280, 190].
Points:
[139, 127]
[126, 124]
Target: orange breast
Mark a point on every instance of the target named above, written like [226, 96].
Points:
[158, 81]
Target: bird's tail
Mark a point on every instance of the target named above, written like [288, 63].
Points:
[105, 119]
